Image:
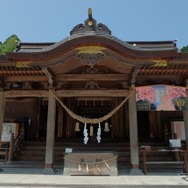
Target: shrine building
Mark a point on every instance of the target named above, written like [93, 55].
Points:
[93, 88]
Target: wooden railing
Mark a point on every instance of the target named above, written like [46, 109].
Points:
[15, 144]
[182, 159]
[3, 154]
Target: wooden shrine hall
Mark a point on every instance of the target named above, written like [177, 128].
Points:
[94, 87]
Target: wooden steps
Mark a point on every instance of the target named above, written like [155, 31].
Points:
[35, 151]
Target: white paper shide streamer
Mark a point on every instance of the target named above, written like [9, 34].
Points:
[99, 133]
[86, 138]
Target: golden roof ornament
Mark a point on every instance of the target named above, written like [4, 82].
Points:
[180, 103]
[90, 20]
[90, 54]
[90, 25]
[160, 63]
[22, 64]
[90, 50]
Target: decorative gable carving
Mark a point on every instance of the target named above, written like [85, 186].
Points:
[90, 25]
[90, 54]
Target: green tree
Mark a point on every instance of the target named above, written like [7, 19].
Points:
[9, 45]
[184, 49]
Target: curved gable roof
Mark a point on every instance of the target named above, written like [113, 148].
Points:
[92, 38]
[124, 62]
[92, 34]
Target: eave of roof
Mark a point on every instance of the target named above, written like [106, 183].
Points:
[95, 39]
[36, 46]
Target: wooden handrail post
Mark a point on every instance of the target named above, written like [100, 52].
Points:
[11, 148]
[186, 161]
[144, 161]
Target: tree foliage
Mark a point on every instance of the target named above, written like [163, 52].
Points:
[9, 45]
[184, 49]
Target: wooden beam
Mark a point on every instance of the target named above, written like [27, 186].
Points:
[67, 93]
[160, 78]
[69, 77]
[94, 77]
[28, 93]
[92, 93]
[26, 78]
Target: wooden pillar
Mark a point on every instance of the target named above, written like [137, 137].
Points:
[50, 133]
[11, 148]
[69, 132]
[121, 121]
[2, 109]
[133, 131]
[185, 117]
[115, 121]
[37, 115]
[126, 121]
[60, 121]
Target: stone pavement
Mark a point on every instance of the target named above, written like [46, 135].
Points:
[36, 177]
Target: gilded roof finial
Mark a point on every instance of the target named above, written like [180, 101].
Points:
[90, 25]
[90, 19]
[90, 13]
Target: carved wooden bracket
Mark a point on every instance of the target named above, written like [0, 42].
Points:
[92, 85]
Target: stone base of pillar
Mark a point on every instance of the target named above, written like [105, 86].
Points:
[135, 170]
[9, 162]
[49, 169]
[48, 165]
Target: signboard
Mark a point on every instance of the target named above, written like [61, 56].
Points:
[178, 129]
[161, 98]
[8, 129]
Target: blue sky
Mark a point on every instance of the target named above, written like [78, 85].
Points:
[129, 20]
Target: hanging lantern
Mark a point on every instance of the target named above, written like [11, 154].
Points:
[106, 127]
[77, 127]
[91, 130]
